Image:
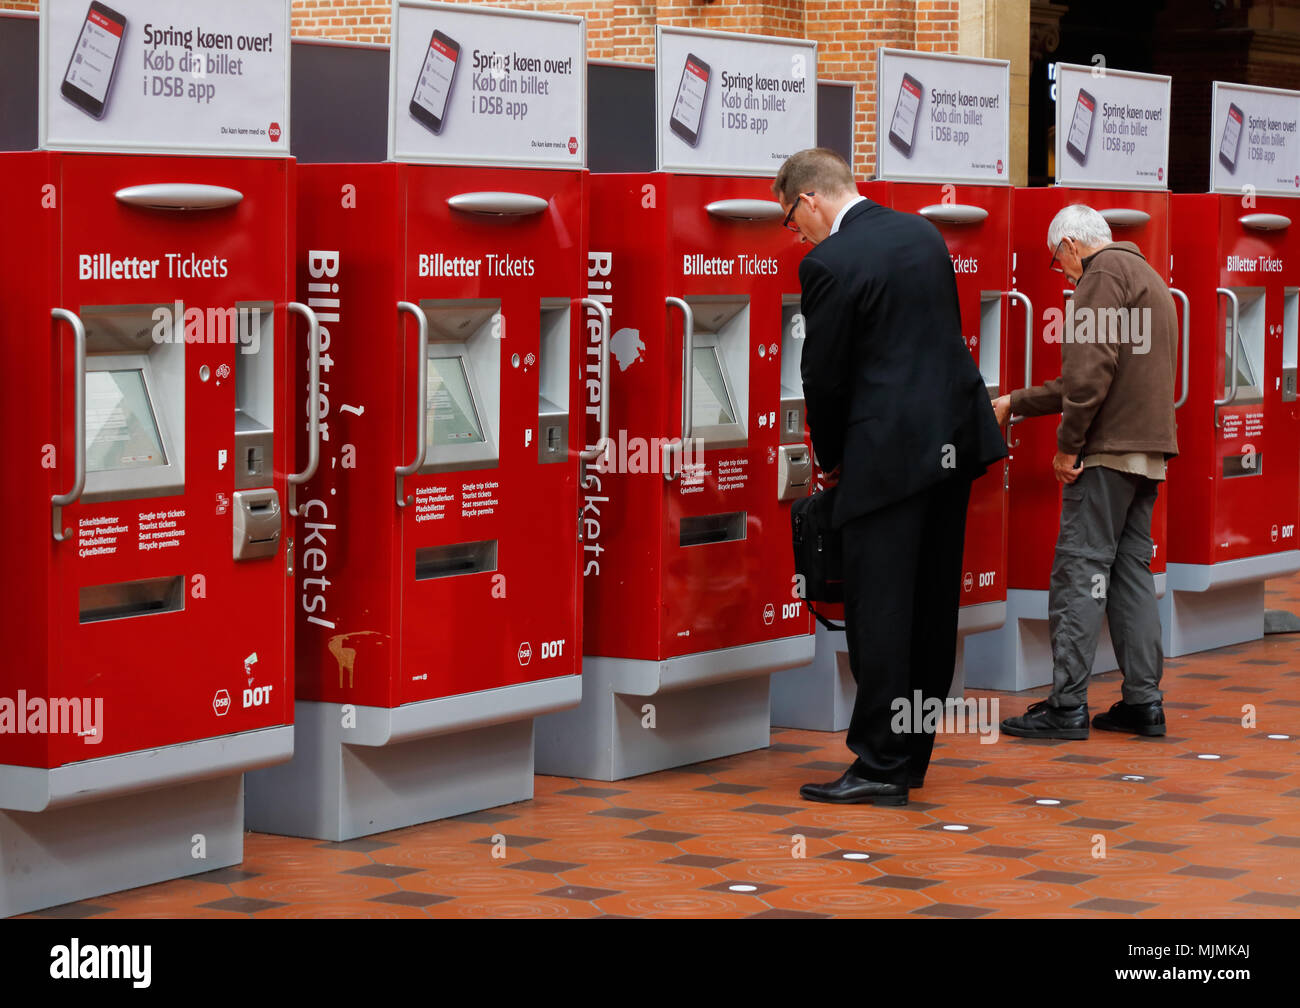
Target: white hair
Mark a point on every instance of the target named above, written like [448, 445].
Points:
[1082, 223]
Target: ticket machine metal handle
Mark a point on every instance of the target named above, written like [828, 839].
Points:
[421, 447]
[954, 213]
[688, 383]
[1015, 295]
[745, 209]
[59, 501]
[602, 445]
[1265, 221]
[1187, 344]
[1232, 355]
[179, 196]
[498, 204]
[313, 403]
[1125, 217]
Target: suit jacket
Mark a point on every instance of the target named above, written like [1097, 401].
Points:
[893, 396]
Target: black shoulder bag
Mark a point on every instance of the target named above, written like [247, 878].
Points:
[818, 556]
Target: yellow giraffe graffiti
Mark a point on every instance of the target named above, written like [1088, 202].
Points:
[346, 656]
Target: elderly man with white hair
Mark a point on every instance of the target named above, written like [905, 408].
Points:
[1116, 400]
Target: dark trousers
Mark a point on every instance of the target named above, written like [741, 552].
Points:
[1102, 567]
[902, 589]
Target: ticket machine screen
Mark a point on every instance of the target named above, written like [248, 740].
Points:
[710, 402]
[453, 419]
[121, 430]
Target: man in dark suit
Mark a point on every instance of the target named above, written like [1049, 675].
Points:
[901, 420]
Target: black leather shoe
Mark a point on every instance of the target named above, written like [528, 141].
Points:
[1133, 719]
[1042, 720]
[851, 789]
[914, 782]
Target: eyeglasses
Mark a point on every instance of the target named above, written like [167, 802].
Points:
[1054, 265]
[790, 216]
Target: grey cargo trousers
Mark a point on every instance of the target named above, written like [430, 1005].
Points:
[1103, 566]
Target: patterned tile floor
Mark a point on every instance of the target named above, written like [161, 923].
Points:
[1111, 827]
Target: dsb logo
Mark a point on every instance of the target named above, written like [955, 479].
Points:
[257, 696]
[273, 131]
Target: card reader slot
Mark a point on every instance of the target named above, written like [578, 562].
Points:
[455, 559]
[132, 598]
[702, 530]
[1236, 465]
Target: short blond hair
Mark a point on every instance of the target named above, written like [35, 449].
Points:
[819, 170]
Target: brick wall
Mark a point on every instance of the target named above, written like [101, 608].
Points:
[846, 31]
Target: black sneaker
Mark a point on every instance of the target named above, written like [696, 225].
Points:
[1133, 719]
[1042, 720]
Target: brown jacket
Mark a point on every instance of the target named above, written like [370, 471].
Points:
[1119, 348]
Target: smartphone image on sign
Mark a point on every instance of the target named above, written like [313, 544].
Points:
[1081, 127]
[688, 109]
[93, 62]
[902, 128]
[433, 87]
[1231, 142]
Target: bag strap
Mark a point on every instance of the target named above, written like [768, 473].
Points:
[822, 619]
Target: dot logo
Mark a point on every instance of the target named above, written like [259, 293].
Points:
[769, 613]
[968, 582]
[221, 703]
[525, 653]
[273, 131]
[573, 145]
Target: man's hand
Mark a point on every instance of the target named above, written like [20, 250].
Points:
[1066, 467]
[1002, 409]
[830, 479]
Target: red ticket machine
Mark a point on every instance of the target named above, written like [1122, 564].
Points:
[1237, 474]
[976, 223]
[147, 342]
[688, 569]
[437, 567]
[1019, 656]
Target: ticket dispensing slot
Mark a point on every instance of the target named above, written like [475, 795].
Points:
[989, 353]
[462, 407]
[135, 402]
[1290, 325]
[720, 371]
[701, 530]
[454, 559]
[132, 598]
[553, 382]
[254, 394]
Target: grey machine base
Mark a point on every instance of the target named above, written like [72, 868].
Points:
[104, 825]
[1210, 606]
[819, 696]
[1018, 656]
[638, 717]
[361, 770]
